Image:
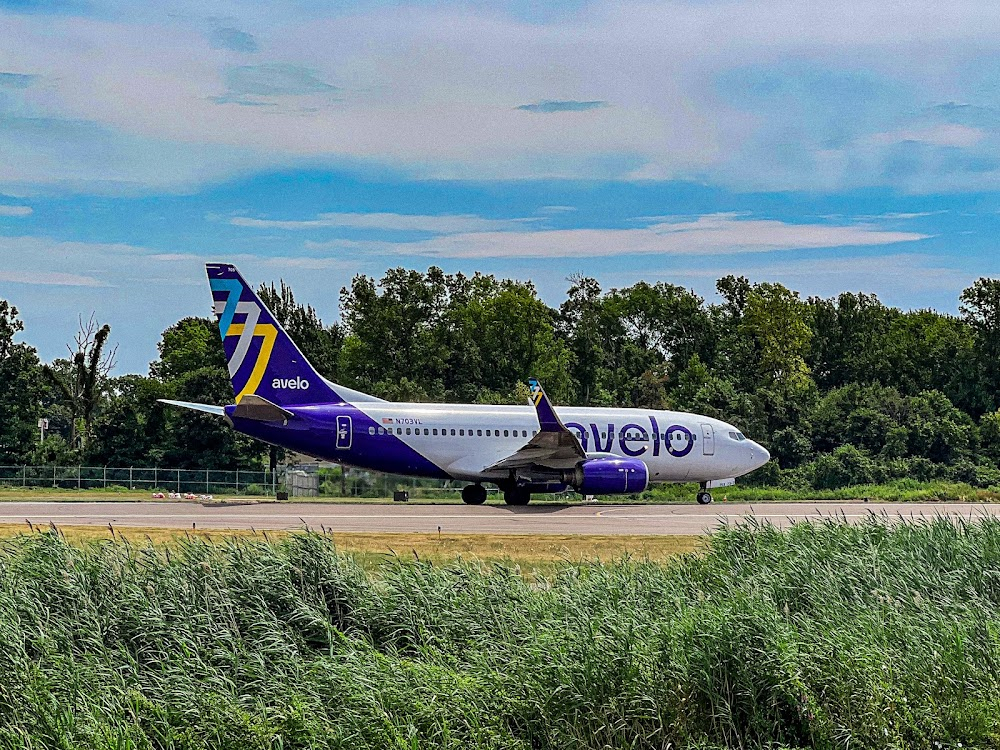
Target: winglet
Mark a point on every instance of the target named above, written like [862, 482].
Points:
[547, 418]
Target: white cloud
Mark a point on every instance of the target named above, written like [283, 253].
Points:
[440, 224]
[48, 278]
[705, 235]
[894, 278]
[16, 211]
[946, 134]
[434, 90]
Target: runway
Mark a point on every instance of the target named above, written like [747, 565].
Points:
[463, 519]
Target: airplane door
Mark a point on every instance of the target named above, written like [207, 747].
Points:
[344, 433]
[707, 440]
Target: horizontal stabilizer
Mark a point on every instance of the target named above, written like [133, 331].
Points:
[207, 408]
[261, 410]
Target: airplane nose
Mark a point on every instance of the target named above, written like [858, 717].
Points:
[759, 454]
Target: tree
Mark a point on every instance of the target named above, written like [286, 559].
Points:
[320, 344]
[579, 325]
[130, 428]
[20, 390]
[188, 345]
[980, 308]
[81, 384]
[849, 341]
[192, 367]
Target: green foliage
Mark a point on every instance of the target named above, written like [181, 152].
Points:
[825, 635]
[188, 345]
[911, 391]
[20, 389]
[448, 337]
[320, 344]
[81, 381]
[844, 467]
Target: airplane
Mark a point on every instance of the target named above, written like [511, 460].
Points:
[281, 399]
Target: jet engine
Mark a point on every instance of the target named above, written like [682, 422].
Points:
[608, 476]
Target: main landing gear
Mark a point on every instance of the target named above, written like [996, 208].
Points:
[517, 496]
[474, 494]
[704, 497]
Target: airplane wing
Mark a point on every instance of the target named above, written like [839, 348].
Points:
[554, 447]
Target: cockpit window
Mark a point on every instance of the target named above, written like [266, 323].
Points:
[737, 436]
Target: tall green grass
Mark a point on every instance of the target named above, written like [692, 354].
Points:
[826, 635]
[898, 490]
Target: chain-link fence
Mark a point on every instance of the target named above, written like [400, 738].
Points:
[306, 480]
[303, 480]
[156, 479]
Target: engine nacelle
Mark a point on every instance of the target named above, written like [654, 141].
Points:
[609, 476]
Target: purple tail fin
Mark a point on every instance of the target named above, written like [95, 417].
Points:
[262, 359]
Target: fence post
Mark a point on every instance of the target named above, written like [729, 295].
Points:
[131, 484]
[105, 477]
[206, 481]
[77, 477]
[24, 476]
[156, 482]
[237, 481]
[53, 475]
[178, 481]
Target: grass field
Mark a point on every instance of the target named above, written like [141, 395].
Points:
[826, 635]
[373, 548]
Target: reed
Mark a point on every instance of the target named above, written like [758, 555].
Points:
[825, 635]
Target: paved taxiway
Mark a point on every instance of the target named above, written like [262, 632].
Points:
[462, 519]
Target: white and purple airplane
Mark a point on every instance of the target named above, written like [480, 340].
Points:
[282, 400]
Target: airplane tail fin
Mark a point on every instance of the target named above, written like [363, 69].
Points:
[262, 359]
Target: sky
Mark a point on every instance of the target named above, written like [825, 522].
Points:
[842, 146]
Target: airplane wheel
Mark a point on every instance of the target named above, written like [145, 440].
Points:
[517, 496]
[474, 494]
[704, 497]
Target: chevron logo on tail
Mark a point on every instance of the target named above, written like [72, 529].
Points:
[227, 308]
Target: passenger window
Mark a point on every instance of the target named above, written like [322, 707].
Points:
[434, 431]
[480, 432]
[461, 432]
[371, 430]
[506, 433]
[524, 433]
[426, 431]
[407, 430]
[487, 433]
[453, 431]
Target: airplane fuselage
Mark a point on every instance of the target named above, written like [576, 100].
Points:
[460, 441]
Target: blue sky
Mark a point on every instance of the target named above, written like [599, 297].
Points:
[842, 147]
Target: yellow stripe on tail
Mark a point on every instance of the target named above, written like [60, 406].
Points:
[269, 334]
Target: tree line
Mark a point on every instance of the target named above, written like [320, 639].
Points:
[842, 390]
